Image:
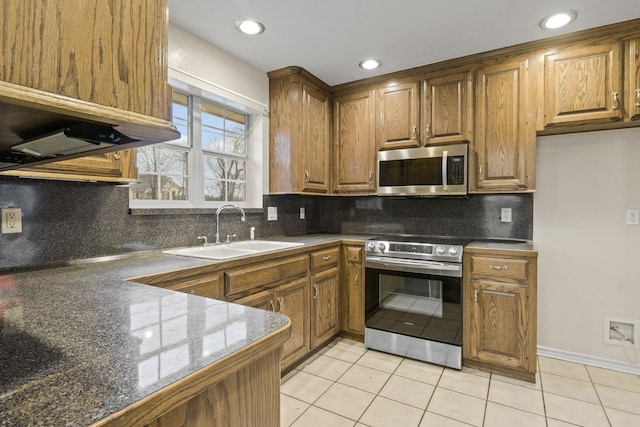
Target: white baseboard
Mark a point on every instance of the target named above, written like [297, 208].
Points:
[589, 360]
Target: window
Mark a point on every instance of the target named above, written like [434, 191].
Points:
[205, 167]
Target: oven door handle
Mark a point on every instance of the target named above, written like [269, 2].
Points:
[415, 266]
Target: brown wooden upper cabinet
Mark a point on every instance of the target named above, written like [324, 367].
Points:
[632, 73]
[397, 114]
[299, 133]
[104, 62]
[583, 84]
[447, 108]
[354, 154]
[504, 136]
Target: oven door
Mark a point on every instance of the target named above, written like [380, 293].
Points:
[420, 305]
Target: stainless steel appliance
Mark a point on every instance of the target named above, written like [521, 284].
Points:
[413, 297]
[437, 170]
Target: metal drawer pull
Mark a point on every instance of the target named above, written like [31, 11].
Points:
[615, 101]
[637, 97]
[427, 132]
[306, 176]
[356, 281]
[414, 133]
[315, 291]
[192, 292]
[475, 296]
[273, 307]
[326, 257]
[480, 171]
[281, 304]
[498, 267]
[370, 177]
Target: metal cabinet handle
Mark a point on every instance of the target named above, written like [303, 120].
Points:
[414, 133]
[192, 292]
[637, 97]
[356, 281]
[273, 307]
[370, 177]
[475, 296]
[306, 176]
[116, 155]
[498, 267]
[615, 101]
[480, 171]
[326, 257]
[315, 291]
[280, 304]
[427, 134]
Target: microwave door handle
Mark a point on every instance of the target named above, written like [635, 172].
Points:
[444, 171]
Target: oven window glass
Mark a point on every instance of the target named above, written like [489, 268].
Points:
[416, 305]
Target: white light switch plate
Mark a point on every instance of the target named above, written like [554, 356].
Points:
[633, 217]
[272, 213]
[505, 215]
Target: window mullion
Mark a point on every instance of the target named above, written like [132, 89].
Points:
[196, 158]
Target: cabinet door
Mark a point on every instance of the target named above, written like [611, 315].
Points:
[354, 153]
[447, 109]
[315, 141]
[498, 331]
[353, 303]
[583, 84]
[504, 141]
[397, 116]
[632, 70]
[293, 301]
[118, 166]
[325, 317]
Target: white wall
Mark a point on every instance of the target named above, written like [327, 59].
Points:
[589, 259]
[201, 65]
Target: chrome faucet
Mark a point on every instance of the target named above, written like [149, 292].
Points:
[220, 209]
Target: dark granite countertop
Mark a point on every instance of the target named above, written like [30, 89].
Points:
[505, 244]
[80, 342]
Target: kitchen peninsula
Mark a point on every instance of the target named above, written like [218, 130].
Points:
[80, 345]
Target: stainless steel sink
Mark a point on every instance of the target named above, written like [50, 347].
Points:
[232, 250]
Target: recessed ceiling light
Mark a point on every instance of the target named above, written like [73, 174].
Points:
[558, 20]
[250, 26]
[370, 64]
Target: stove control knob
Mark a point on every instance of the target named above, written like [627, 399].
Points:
[371, 246]
[453, 251]
[440, 250]
[382, 247]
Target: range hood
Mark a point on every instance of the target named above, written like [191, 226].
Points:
[79, 138]
[32, 135]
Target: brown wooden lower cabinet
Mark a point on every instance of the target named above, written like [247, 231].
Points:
[353, 291]
[292, 300]
[499, 320]
[325, 317]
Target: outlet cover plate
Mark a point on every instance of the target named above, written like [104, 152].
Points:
[633, 217]
[272, 213]
[11, 220]
[505, 215]
[302, 213]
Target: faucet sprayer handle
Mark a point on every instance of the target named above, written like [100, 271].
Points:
[229, 237]
[203, 238]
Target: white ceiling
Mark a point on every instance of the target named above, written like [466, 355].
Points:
[330, 37]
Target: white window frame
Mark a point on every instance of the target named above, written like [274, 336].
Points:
[257, 139]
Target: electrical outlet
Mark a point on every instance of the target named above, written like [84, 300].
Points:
[302, 213]
[11, 220]
[505, 215]
[272, 213]
[632, 217]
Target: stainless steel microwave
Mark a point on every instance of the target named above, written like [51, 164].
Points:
[438, 170]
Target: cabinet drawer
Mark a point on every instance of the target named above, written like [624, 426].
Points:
[325, 258]
[354, 254]
[264, 274]
[500, 267]
[204, 287]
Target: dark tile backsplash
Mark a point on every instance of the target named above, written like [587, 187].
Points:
[64, 221]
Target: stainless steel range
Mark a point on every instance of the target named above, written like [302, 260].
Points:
[413, 294]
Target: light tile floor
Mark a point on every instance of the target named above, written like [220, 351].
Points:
[348, 385]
